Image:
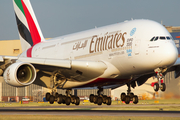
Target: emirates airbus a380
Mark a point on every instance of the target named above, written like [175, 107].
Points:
[126, 53]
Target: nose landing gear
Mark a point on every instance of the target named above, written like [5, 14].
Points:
[160, 85]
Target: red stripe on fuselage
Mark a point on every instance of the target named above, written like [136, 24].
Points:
[29, 52]
[33, 29]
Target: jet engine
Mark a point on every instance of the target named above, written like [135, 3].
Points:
[20, 74]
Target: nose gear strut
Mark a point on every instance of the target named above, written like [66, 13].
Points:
[160, 84]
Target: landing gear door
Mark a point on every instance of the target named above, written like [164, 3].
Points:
[137, 47]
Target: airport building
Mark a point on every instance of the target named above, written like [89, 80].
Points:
[37, 93]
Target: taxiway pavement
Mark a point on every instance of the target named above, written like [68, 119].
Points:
[84, 110]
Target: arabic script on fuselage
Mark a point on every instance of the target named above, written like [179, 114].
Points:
[80, 45]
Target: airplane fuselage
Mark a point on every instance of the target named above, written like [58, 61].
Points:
[126, 48]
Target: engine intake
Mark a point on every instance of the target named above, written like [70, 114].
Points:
[20, 74]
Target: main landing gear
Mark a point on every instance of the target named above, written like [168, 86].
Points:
[65, 99]
[160, 85]
[129, 97]
[100, 98]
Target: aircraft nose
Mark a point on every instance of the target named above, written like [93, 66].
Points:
[169, 55]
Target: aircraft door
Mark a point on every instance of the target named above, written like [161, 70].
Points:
[137, 47]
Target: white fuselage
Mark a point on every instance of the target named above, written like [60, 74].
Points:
[125, 48]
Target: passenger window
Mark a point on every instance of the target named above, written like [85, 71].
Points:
[152, 39]
[162, 38]
[156, 39]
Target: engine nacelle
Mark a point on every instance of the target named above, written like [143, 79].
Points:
[20, 74]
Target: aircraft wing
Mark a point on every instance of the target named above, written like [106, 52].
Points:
[177, 62]
[75, 70]
[176, 68]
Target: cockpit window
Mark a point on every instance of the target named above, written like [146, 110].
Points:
[163, 38]
[152, 39]
[156, 39]
[168, 38]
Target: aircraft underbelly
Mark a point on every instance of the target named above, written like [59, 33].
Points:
[99, 82]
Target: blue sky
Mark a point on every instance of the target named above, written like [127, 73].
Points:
[60, 17]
